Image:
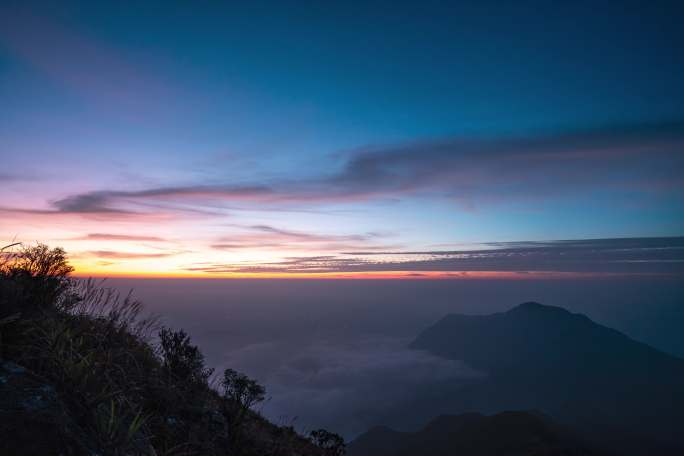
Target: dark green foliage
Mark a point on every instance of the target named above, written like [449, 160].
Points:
[329, 441]
[182, 360]
[240, 394]
[120, 394]
[242, 390]
[39, 278]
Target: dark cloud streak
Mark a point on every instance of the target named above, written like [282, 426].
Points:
[644, 158]
[119, 237]
[110, 254]
[631, 255]
[270, 237]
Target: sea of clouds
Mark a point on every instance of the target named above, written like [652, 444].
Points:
[345, 387]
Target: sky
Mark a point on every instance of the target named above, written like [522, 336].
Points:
[354, 139]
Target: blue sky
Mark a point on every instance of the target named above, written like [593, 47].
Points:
[389, 125]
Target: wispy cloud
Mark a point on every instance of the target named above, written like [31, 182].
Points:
[480, 170]
[301, 236]
[633, 255]
[270, 237]
[9, 177]
[118, 237]
[110, 201]
[644, 158]
[303, 264]
[111, 254]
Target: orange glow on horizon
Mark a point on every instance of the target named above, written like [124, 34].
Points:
[368, 275]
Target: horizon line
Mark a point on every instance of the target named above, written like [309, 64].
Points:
[380, 275]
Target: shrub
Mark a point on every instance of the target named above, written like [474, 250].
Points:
[41, 278]
[329, 441]
[181, 360]
[240, 394]
[242, 390]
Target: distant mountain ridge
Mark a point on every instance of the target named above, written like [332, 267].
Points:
[622, 392]
[538, 337]
[473, 434]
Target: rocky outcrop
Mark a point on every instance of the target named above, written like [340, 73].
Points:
[33, 421]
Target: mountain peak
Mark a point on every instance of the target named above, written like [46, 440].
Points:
[547, 358]
[532, 306]
[536, 339]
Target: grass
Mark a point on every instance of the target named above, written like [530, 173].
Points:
[127, 385]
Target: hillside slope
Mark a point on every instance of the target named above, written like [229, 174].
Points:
[473, 434]
[82, 372]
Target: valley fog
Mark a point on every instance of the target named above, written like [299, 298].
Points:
[334, 353]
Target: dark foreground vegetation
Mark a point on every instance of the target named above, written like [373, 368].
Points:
[83, 372]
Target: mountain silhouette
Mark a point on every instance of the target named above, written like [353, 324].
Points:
[473, 434]
[618, 391]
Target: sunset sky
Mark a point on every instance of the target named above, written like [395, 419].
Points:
[213, 139]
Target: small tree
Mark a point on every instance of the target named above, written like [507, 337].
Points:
[240, 393]
[181, 360]
[242, 390]
[41, 261]
[329, 441]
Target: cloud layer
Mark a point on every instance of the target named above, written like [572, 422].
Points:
[344, 387]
